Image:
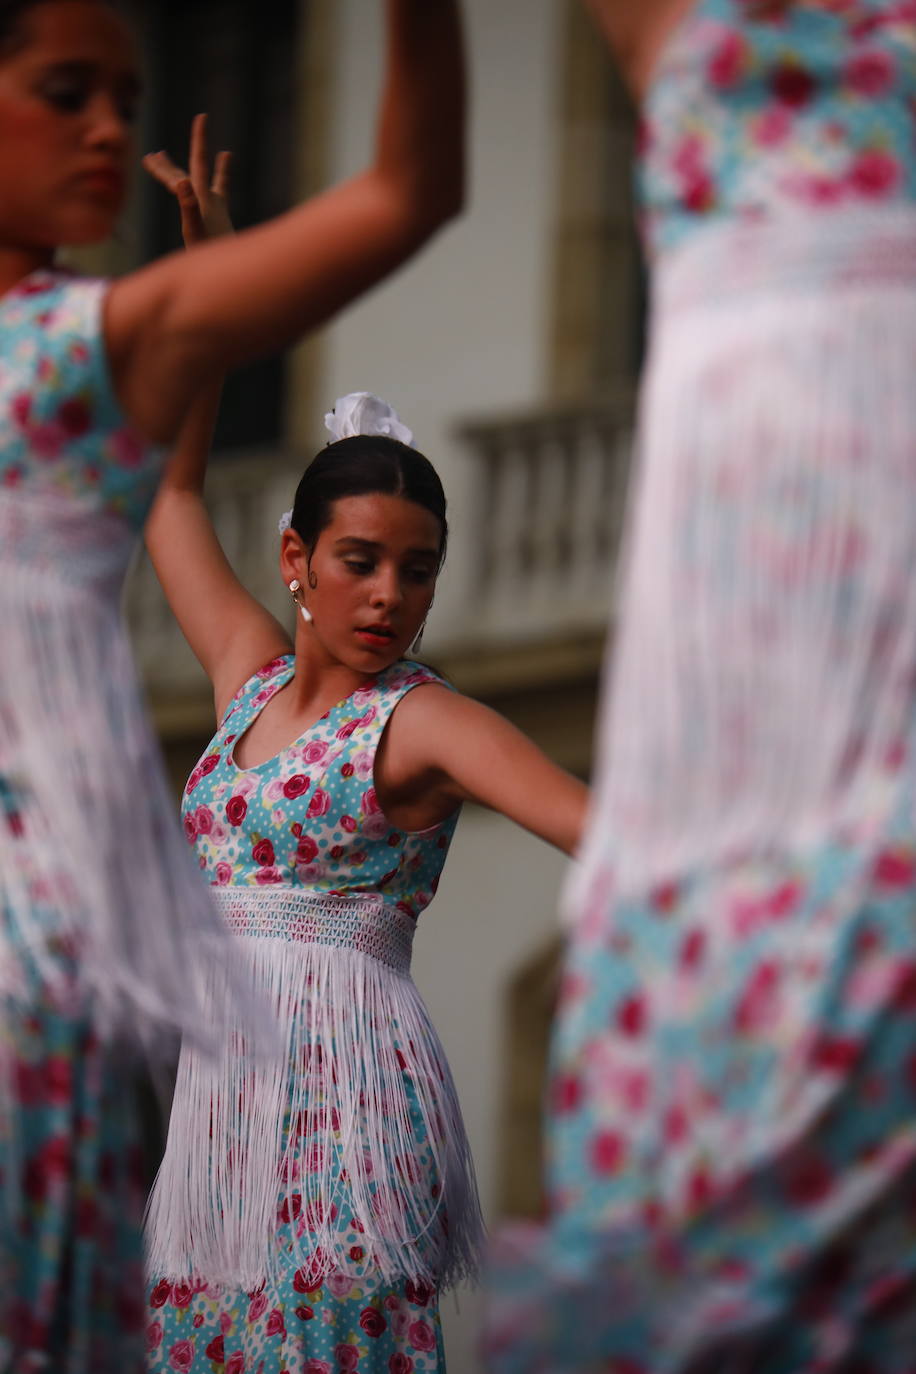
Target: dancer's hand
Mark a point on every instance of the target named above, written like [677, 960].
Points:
[202, 195]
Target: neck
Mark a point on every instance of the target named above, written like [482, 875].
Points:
[321, 679]
[16, 263]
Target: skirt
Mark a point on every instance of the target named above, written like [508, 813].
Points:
[732, 1112]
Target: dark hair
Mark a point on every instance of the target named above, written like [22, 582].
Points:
[361, 466]
[12, 12]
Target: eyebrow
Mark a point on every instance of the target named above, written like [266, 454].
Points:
[372, 546]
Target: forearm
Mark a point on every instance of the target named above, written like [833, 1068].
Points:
[421, 125]
[182, 320]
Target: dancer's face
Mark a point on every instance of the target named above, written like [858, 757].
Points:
[69, 83]
[374, 571]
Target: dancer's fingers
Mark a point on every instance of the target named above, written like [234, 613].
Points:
[221, 172]
[165, 171]
[199, 164]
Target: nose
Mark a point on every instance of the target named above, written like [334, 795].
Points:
[386, 589]
[108, 130]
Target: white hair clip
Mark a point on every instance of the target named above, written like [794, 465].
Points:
[286, 519]
[362, 413]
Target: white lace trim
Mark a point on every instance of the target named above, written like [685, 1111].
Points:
[363, 922]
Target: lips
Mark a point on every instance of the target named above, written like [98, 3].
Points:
[107, 181]
[377, 636]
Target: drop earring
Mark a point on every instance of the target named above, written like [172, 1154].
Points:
[417, 640]
[294, 589]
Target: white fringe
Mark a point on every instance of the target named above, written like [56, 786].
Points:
[336, 969]
[764, 667]
[100, 899]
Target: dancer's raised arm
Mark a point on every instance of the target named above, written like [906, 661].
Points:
[176, 324]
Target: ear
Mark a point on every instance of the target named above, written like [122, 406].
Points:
[293, 557]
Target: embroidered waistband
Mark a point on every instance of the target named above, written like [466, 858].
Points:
[364, 922]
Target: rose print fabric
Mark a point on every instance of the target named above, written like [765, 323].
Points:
[764, 109]
[309, 820]
[731, 1118]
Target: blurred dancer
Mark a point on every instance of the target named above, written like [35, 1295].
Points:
[732, 1128]
[102, 916]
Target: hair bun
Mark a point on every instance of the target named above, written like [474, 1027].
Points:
[360, 412]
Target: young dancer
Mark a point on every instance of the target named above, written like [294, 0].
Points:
[308, 1220]
[733, 1123]
[103, 923]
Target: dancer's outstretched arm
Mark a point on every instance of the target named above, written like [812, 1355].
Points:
[189, 318]
[226, 627]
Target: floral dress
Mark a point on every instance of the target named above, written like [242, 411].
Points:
[303, 1222]
[732, 1106]
[98, 904]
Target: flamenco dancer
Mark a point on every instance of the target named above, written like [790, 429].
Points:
[732, 1125]
[306, 1221]
[103, 920]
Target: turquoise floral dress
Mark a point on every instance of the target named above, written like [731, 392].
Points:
[98, 903]
[732, 1105]
[304, 1222]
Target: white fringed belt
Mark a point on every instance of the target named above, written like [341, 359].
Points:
[363, 1068]
[364, 922]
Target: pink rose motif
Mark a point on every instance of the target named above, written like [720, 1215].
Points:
[161, 1293]
[128, 448]
[758, 1001]
[727, 62]
[225, 1322]
[306, 850]
[153, 1336]
[400, 1364]
[870, 73]
[263, 853]
[193, 780]
[182, 1293]
[58, 1079]
[349, 824]
[314, 751]
[203, 819]
[422, 1336]
[874, 173]
[265, 876]
[46, 441]
[190, 828]
[375, 827]
[305, 1314]
[216, 1350]
[792, 84]
[606, 1153]
[21, 408]
[771, 127]
[181, 1356]
[346, 1355]
[235, 1363]
[208, 764]
[275, 1325]
[223, 874]
[236, 810]
[341, 1285]
[257, 1305]
[418, 1292]
[369, 803]
[296, 785]
[320, 804]
[314, 1366]
[75, 417]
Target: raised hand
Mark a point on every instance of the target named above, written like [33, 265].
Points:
[202, 194]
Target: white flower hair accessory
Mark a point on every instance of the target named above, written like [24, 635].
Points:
[286, 519]
[362, 413]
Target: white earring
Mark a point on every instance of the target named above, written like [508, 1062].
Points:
[418, 640]
[294, 589]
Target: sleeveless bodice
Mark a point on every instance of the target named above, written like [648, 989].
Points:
[756, 110]
[62, 432]
[309, 817]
